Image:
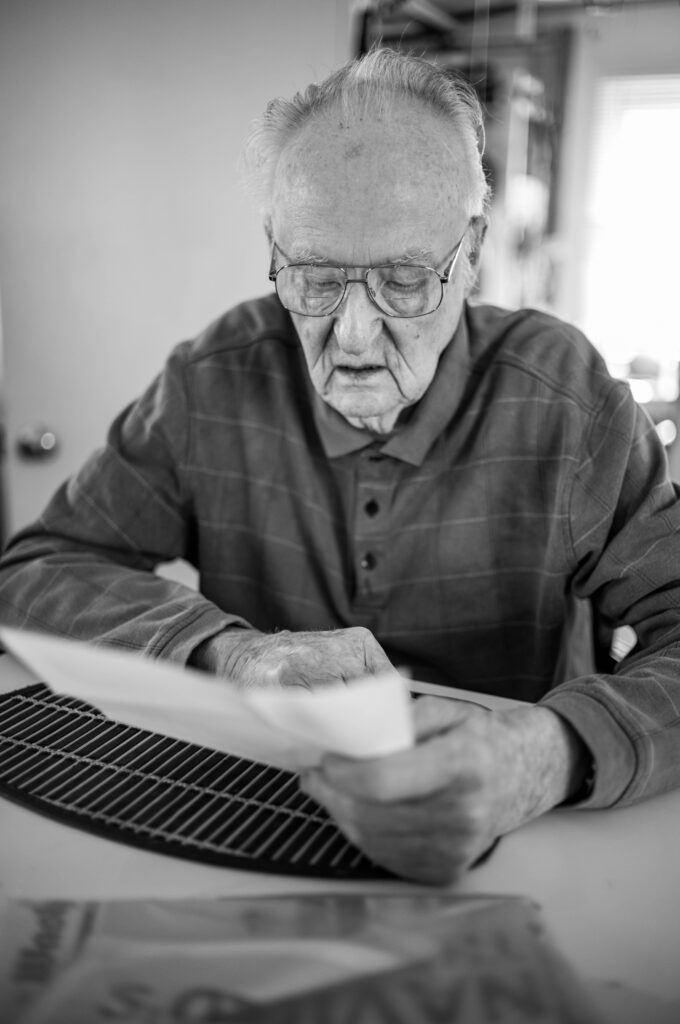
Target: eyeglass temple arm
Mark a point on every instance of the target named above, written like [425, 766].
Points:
[445, 278]
[271, 276]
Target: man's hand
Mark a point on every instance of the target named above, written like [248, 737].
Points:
[309, 660]
[429, 812]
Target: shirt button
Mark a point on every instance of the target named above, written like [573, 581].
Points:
[369, 561]
[371, 508]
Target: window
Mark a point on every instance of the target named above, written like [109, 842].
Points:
[631, 259]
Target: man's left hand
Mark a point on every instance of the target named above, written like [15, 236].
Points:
[429, 812]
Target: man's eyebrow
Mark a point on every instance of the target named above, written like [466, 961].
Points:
[417, 256]
[305, 256]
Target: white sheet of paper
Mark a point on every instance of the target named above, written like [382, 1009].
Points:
[368, 717]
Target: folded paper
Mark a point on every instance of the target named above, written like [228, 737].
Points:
[288, 728]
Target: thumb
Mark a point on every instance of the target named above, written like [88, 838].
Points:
[437, 714]
[375, 659]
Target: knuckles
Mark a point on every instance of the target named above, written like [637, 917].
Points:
[315, 657]
[429, 867]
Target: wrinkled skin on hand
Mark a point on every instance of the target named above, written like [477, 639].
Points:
[429, 812]
[304, 659]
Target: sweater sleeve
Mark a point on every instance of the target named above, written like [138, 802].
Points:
[624, 532]
[85, 568]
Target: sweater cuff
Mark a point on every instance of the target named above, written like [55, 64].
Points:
[179, 645]
[613, 752]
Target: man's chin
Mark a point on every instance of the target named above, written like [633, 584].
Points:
[373, 416]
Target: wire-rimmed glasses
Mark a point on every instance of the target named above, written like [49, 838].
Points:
[397, 289]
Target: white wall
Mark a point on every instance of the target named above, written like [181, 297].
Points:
[123, 227]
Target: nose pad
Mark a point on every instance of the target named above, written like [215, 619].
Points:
[357, 320]
[371, 296]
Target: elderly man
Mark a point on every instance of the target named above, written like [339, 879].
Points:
[367, 471]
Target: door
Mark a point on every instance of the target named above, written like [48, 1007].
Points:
[123, 227]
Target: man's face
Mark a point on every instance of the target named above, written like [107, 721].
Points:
[355, 194]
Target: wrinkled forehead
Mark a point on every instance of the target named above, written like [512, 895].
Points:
[360, 170]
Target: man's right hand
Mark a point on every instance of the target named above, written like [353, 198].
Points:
[305, 659]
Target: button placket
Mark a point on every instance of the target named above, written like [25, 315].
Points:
[368, 562]
[370, 525]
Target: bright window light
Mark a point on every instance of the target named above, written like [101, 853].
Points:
[631, 268]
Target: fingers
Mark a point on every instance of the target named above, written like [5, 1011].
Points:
[448, 758]
[375, 659]
[431, 840]
[306, 659]
[426, 813]
[429, 812]
[432, 715]
[386, 779]
[430, 863]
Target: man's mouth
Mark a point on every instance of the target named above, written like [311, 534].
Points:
[359, 372]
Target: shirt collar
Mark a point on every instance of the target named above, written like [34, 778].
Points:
[412, 441]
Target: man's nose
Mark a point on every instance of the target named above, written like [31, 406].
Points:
[357, 320]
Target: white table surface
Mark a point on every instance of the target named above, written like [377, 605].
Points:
[607, 883]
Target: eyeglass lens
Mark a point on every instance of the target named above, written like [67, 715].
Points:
[398, 290]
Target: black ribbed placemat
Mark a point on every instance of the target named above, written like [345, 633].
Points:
[63, 758]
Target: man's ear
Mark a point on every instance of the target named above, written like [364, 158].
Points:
[478, 226]
[268, 229]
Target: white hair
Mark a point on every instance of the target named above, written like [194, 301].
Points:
[369, 86]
